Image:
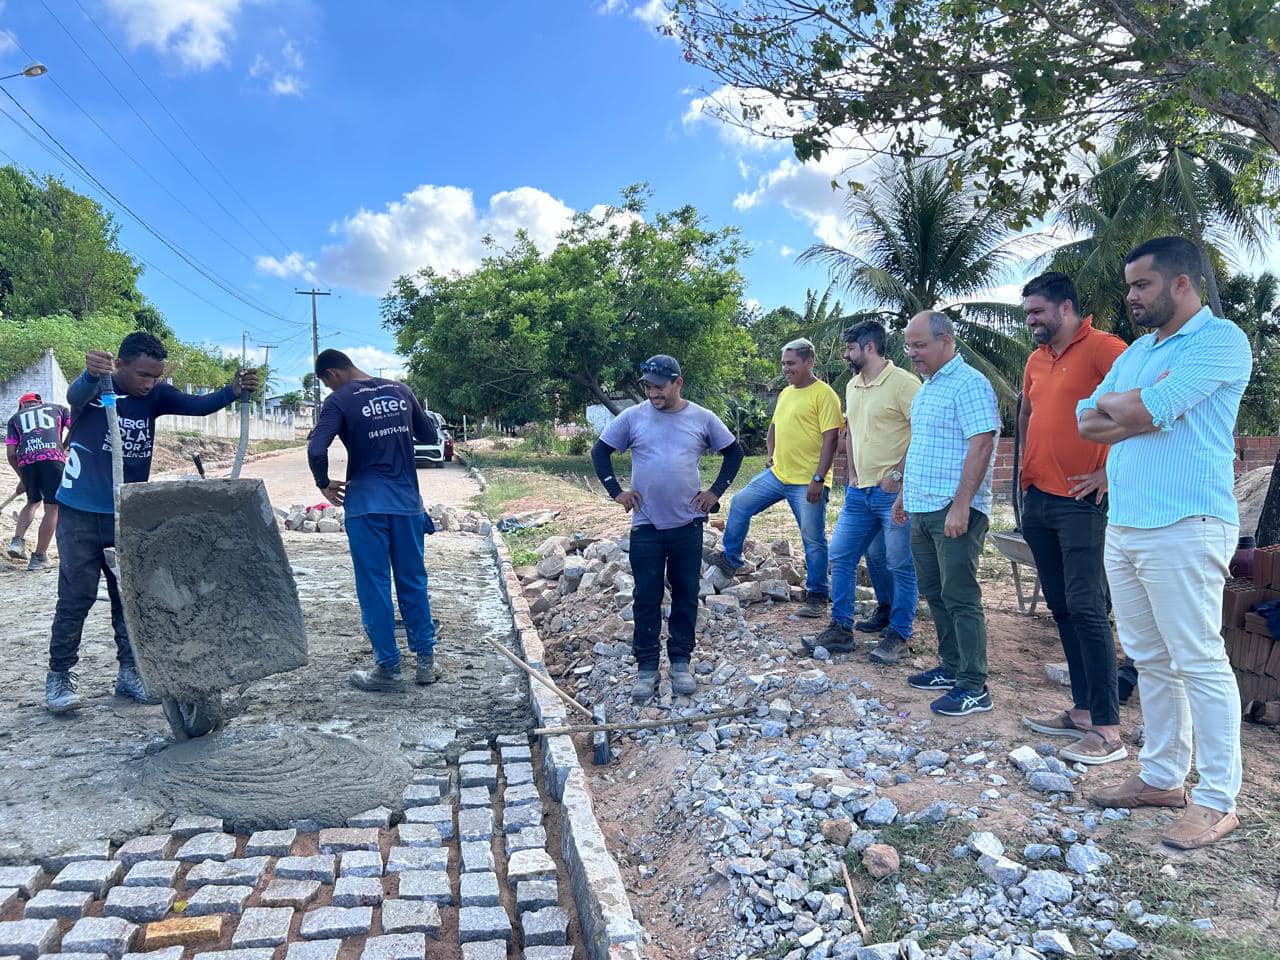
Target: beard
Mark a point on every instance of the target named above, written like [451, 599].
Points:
[855, 366]
[1158, 313]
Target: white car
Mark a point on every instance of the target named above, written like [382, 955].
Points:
[434, 454]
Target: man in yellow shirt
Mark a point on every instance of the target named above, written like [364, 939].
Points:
[802, 444]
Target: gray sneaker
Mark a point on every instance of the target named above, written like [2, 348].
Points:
[426, 672]
[17, 547]
[60, 691]
[379, 680]
[129, 685]
[645, 687]
[891, 648]
[682, 679]
[38, 561]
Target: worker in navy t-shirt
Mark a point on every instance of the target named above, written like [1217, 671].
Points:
[377, 421]
[86, 515]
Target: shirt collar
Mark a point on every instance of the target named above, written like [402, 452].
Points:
[951, 366]
[860, 384]
[1191, 327]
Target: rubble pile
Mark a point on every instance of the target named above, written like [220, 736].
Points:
[326, 518]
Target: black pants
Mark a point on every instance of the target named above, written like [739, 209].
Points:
[673, 556]
[1066, 537]
[81, 538]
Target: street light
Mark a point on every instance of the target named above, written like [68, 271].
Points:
[31, 70]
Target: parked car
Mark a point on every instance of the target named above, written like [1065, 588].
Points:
[434, 454]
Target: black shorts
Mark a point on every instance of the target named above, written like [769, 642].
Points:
[42, 480]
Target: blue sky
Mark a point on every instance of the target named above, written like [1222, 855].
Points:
[367, 140]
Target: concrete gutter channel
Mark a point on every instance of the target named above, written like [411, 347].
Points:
[610, 930]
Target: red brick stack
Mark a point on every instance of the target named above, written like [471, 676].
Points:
[1254, 653]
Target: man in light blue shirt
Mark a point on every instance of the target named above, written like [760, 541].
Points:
[1168, 408]
[946, 489]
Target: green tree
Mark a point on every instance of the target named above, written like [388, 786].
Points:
[1013, 84]
[1254, 304]
[148, 318]
[291, 402]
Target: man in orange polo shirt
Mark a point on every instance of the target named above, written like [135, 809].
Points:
[1064, 517]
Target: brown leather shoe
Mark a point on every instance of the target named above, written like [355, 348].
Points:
[1136, 792]
[1199, 827]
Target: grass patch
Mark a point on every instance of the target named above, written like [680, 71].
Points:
[500, 490]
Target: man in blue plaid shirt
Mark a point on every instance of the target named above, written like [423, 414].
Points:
[946, 489]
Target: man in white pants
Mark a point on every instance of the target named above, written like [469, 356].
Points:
[1168, 409]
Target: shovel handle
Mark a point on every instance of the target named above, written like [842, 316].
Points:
[545, 681]
[107, 392]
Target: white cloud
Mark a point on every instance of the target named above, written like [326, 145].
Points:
[283, 72]
[196, 32]
[372, 360]
[655, 14]
[804, 190]
[785, 251]
[8, 39]
[752, 119]
[611, 6]
[292, 265]
[438, 227]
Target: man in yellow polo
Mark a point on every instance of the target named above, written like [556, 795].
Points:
[802, 440]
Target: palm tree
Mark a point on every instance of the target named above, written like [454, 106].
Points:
[921, 242]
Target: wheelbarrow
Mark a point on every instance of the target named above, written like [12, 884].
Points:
[208, 593]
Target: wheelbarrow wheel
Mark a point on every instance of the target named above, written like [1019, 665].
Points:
[195, 719]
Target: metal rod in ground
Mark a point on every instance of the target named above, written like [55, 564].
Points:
[542, 678]
[644, 724]
[600, 739]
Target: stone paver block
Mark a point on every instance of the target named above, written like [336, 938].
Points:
[139, 904]
[401, 859]
[519, 796]
[27, 939]
[430, 885]
[439, 816]
[58, 905]
[439, 778]
[360, 863]
[357, 892]
[536, 894]
[241, 872]
[89, 850]
[483, 923]
[217, 898]
[479, 775]
[416, 794]
[547, 953]
[485, 950]
[530, 865]
[395, 946]
[168, 953]
[74, 956]
[475, 824]
[342, 839]
[518, 774]
[531, 838]
[472, 797]
[96, 876]
[475, 756]
[314, 950]
[323, 923]
[420, 835]
[479, 890]
[515, 819]
[184, 828]
[258, 953]
[411, 916]
[379, 817]
[182, 932]
[477, 857]
[113, 936]
[510, 740]
[152, 873]
[547, 927]
[262, 927]
[270, 843]
[140, 849]
[520, 754]
[27, 878]
[8, 899]
[207, 846]
[321, 867]
[290, 893]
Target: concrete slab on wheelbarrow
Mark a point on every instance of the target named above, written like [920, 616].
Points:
[208, 592]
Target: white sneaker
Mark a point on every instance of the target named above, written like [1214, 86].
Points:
[17, 547]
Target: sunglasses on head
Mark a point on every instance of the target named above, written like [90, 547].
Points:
[659, 368]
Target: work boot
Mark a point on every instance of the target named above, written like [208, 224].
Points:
[60, 691]
[129, 685]
[837, 638]
[876, 622]
[721, 561]
[17, 547]
[891, 648]
[682, 680]
[645, 687]
[38, 561]
[379, 680]
[426, 672]
[814, 607]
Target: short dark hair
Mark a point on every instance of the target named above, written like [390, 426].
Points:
[142, 344]
[1171, 256]
[1055, 287]
[868, 331]
[332, 360]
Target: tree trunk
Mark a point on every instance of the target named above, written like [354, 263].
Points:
[1210, 282]
[594, 388]
[1268, 532]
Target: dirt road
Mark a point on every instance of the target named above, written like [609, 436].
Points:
[84, 776]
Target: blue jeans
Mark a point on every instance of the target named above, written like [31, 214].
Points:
[764, 490]
[384, 545]
[877, 569]
[867, 515]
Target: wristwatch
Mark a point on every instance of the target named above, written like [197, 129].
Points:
[895, 476]
[817, 478]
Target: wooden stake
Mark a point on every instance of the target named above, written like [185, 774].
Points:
[644, 724]
[540, 677]
[853, 900]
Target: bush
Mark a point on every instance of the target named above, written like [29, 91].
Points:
[541, 438]
[579, 444]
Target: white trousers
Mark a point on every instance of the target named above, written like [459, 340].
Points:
[1166, 589]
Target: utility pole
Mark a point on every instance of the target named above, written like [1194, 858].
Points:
[315, 342]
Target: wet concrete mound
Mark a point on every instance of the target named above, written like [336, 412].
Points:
[258, 778]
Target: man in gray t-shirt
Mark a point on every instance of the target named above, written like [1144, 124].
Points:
[667, 436]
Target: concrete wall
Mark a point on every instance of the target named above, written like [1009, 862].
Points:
[44, 377]
[226, 423]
